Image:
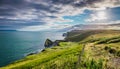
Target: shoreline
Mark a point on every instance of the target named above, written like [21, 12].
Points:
[33, 43]
[70, 51]
[55, 42]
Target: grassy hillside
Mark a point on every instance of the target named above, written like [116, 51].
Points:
[96, 49]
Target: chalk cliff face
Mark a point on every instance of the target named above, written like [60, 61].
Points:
[48, 43]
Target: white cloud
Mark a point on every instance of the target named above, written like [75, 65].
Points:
[107, 22]
[114, 27]
[34, 28]
[97, 16]
[114, 22]
[54, 20]
[44, 27]
[68, 10]
[103, 4]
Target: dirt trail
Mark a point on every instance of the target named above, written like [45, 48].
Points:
[81, 53]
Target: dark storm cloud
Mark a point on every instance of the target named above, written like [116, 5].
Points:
[40, 12]
[77, 3]
[86, 3]
[13, 3]
[23, 23]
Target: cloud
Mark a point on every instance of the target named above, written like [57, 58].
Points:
[27, 13]
[116, 22]
[44, 27]
[56, 20]
[97, 16]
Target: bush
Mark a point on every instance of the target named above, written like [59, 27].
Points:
[118, 53]
[112, 51]
[106, 48]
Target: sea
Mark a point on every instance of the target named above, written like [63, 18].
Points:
[15, 45]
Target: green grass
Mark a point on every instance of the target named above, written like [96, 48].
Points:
[64, 56]
[109, 40]
[49, 54]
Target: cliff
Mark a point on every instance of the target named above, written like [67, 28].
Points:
[50, 43]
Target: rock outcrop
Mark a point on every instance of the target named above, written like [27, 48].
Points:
[56, 43]
[48, 43]
[65, 34]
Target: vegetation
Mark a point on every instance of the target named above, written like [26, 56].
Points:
[84, 50]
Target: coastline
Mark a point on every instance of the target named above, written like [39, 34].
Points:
[98, 52]
[16, 46]
[54, 43]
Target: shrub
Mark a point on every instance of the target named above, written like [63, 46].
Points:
[118, 53]
[106, 48]
[112, 51]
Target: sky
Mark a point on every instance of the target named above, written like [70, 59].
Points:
[36, 15]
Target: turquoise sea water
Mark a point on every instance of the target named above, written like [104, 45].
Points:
[15, 45]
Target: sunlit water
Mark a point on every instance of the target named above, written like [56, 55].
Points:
[16, 45]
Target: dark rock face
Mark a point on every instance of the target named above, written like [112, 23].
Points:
[43, 50]
[56, 43]
[48, 43]
[31, 53]
[64, 34]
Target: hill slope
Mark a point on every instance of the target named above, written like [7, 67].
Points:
[91, 49]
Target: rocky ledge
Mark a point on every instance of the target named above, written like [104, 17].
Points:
[49, 43]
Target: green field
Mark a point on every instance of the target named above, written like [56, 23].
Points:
[96, 49]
